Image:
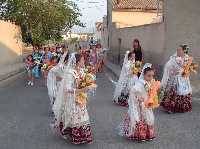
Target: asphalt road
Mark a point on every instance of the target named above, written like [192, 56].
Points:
[25, 119]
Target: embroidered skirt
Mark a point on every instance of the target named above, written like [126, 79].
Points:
[77, 135]
[172, 102]
[141, 132]
[122, 100]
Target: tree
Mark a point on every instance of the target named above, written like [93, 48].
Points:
[40, 20]
[72, 21]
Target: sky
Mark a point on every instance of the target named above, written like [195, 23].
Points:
[92, 11]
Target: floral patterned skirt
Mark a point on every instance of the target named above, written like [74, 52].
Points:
[142, 131]
[172, 102]
[122, 100]
[77, 135]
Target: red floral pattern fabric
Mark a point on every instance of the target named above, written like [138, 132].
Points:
[176, 103]
[122, 100]
[77, 135]
[142, 131]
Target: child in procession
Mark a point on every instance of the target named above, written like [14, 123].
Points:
[126, 80]
[176, 87]
[138, 124]
[73, 122]
[29, 67]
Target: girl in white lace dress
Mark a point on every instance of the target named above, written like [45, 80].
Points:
[138, 123]
[176, 87]
[55, 75]
[71, 118]
[126, 80]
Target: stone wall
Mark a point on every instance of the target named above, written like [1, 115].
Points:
[10, 48]
[182, 21]
[151, 38]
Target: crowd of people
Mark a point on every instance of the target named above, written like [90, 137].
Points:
[71, 80]
[43, 59]
[141, 93]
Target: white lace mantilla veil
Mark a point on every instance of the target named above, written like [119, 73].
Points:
[172, 64]
[122, 79]
[166, 73]
[52, 84]
[64, 102]
[144, 67]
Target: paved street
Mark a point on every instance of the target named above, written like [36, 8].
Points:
[25, 112]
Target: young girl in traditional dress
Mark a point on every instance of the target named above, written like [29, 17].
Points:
[126, 80]
[139, 122]
[29, 67]
[55, 75]
[176, 88]
[71, 117]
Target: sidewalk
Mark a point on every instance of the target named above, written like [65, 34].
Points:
[11, 71]
[115, 69]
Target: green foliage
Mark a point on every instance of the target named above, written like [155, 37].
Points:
[41, 20]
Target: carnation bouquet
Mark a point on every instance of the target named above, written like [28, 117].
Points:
[87, 80]
[137, 68]
[152, 101]
[189, 67]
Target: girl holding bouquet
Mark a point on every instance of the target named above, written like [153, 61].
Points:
[138, 124]
[126, 80]
[71, 115]
[176, 88]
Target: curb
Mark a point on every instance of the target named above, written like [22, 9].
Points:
[12, 76]
[113, 68]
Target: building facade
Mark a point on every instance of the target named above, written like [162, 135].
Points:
[177, 24]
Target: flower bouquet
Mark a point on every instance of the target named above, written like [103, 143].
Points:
[88, 80]
[152, 101]
[137, 68]
[189, 67]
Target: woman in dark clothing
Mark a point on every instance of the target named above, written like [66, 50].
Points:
[137, 50]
